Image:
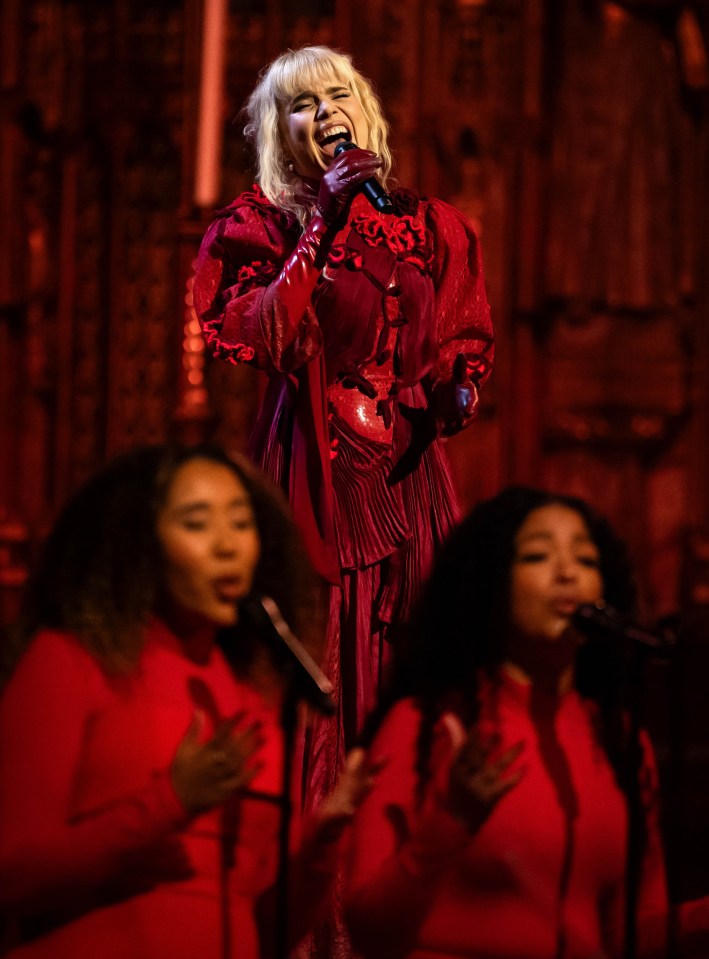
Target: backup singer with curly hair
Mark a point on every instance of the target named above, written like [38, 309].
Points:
[501, 826]
[141, 752]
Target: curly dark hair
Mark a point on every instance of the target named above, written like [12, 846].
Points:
[459, 625]
[100, 574]
[458, 630]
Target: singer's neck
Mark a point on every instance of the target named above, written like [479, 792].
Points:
[554, 683]
[308, 189]
[545, 661]
[195, 634]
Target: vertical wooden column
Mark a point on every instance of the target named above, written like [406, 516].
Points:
[192, 412]
[521, 426]
[13, 531]
[698, 466]
[210, 121]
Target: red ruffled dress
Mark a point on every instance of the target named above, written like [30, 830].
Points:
[352, 413]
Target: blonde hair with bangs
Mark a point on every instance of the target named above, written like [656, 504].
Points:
[289, 74]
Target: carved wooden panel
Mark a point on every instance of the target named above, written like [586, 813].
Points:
[619, 316]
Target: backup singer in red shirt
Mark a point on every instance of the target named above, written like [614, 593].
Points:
[499, 828]
[142, 718]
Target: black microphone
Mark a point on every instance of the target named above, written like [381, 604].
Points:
[309, 681]
[372, 188]
[601, 621]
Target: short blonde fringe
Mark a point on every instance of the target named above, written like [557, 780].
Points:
[290, 73]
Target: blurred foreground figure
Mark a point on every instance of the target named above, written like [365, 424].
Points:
[140, 743]
[500, 826]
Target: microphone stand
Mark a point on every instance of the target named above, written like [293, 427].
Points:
[289, 721]
[605, 624]
[304, 681]
[634, 853]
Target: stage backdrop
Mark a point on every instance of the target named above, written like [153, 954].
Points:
[574, 133]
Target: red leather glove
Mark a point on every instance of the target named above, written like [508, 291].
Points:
[301, 271]
[456, 400]
[341, 180]
[299, 275]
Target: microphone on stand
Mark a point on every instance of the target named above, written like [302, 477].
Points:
[309, 681]
[603, 622]
[371, 188]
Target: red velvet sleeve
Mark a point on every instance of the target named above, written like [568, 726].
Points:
[462, 310]
[464, 329]
[236, 300]
[49, 855]
[399, 852]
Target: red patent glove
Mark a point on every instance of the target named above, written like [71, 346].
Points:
[302, 269]
[456, 400]
[300, 273]
[341, 181]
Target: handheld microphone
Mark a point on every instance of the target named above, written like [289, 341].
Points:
[601, 621]
[371, 188]
[309, 681]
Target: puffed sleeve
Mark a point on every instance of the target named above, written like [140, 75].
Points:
[463, 325]
[401, 850]
[236, 297]
[51, 855]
